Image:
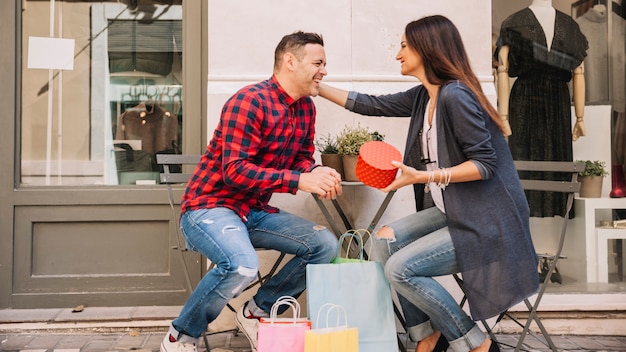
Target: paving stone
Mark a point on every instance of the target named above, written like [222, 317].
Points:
[43, 342]
[73, 341]
[564, 343]
[610, 342]
[153, 341]
[101, 343]
[129, 341]
[586, 343]
[15, 342]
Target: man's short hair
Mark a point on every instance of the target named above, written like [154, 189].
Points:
[294, 43]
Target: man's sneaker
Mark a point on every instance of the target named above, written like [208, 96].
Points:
[248, 325]
[168, 346]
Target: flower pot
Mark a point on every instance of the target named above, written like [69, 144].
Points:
[335, 161]
[590, 186]
[349, 167]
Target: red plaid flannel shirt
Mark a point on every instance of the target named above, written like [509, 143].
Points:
[264, 140]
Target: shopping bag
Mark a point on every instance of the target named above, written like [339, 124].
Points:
[361, 288]
[357, 236]
[286, 320]
[331, 337]
[275, 336]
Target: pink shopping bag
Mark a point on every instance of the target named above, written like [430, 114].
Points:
[283, 334]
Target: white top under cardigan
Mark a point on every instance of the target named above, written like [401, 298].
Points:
[430, 148]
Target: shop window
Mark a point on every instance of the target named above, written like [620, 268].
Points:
[103, 121]
[545, 55]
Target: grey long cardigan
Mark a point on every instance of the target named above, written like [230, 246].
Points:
[488, 219]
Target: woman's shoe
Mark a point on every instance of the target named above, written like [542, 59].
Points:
[556, 276]
[442, 344]
[494, 347]
[544, 270]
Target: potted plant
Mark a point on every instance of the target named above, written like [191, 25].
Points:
[591, 178]
[327, 146]
[349, 141]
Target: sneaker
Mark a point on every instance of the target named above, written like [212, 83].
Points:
[168, 346]
[249, 325]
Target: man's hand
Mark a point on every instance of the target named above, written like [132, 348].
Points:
[323, 181]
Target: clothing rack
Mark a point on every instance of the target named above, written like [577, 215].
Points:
[153, 92]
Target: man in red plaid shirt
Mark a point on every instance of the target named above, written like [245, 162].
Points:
[262, 144]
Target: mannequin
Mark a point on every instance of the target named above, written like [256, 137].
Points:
[544, 49]
[600, 9]
[545, 14]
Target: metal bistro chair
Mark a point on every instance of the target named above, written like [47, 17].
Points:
[569, 187]
[179, 161]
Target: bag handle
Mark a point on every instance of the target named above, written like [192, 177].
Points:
[287, 301]
[293, 301]
[354, 235]
[332, 306]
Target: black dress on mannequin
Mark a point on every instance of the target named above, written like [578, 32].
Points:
[540, 103]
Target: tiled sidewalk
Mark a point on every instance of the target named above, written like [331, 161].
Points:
[226, 342]
[142, 329]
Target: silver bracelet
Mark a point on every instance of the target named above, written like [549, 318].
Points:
[431, 178]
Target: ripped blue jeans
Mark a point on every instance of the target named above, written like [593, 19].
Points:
[220, 235]
[422, 250]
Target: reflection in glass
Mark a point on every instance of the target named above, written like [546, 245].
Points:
[103, 121]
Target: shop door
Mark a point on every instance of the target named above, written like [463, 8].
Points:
[100, 90]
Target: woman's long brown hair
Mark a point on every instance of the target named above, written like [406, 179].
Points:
[437, 40]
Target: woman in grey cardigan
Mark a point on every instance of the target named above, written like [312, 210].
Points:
[479, 226]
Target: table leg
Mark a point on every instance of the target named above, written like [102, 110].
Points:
[329, 218]
[342, 215]
[381, 211]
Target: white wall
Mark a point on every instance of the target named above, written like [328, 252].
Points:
[361, 40]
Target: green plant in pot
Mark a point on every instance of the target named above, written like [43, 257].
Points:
[327, 146]
[377, 136]
[591, 178]
[349, 142]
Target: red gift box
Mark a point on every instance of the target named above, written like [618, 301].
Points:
[374, 166]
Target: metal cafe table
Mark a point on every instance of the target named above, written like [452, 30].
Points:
[346, 223]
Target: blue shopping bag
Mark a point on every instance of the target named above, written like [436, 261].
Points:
[361, 288]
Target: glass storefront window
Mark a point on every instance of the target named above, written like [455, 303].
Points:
[102, 120]
[589, 34]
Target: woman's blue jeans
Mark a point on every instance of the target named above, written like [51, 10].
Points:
[220, 235]
[423, 249]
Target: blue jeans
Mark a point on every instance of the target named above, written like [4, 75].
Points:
[423, 249]
[220, 235]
